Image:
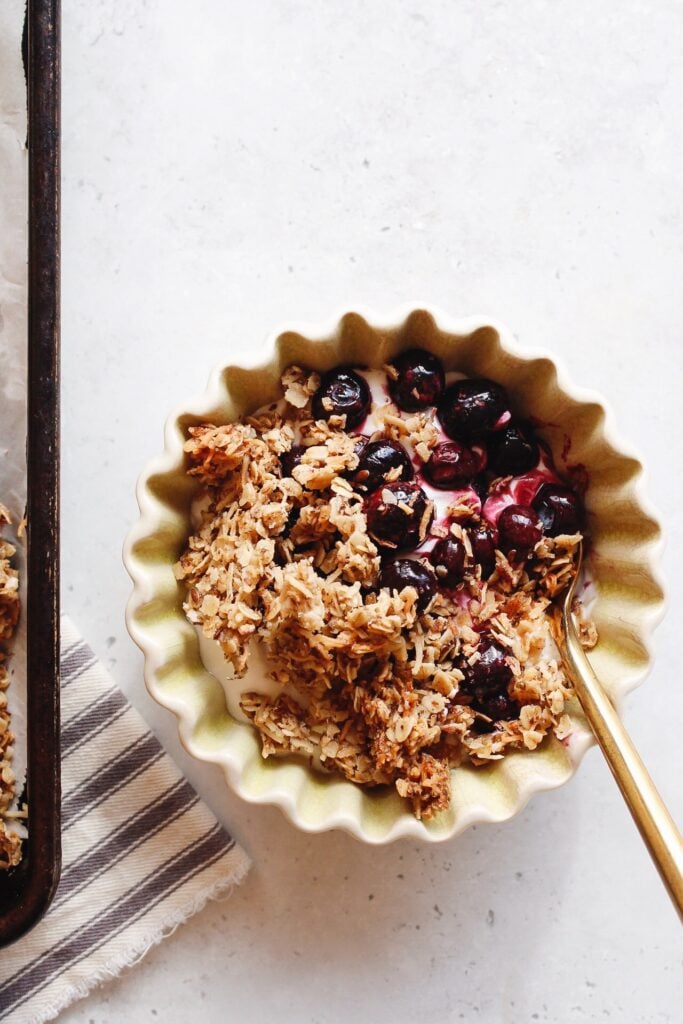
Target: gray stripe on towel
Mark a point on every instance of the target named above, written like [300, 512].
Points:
[76, 661]
[116, 773]
[86, 940]
[126, 838]
[95, 717]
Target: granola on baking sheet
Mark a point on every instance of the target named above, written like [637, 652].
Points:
[10, 842]
[394, 539]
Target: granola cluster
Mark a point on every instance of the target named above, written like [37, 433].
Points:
[10, 842]
[372, 685]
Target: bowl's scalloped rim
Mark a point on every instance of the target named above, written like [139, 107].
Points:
[143, 590]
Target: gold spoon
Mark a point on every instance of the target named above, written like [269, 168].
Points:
[654, 822]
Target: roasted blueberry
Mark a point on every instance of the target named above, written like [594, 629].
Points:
[490, 673]
[398, 514]
[292, 520]
[420, 380]
[292, 458]
[519, 528]
[379, 458]
[486, 682]
[480, 484]
[512, 451]
[407, 572]
[470, 409]
[559, 509]
[361, 441]
[448, 556]
[342, 392]
[452, 464]
[484, 541]
[500, 707]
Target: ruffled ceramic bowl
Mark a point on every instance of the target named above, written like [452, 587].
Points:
[626, 545]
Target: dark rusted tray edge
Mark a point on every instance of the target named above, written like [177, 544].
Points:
[31, 887]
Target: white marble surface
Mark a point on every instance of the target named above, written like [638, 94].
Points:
[260, 161]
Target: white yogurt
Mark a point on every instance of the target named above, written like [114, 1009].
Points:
[256, 679]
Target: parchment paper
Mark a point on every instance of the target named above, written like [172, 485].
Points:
[13, 325]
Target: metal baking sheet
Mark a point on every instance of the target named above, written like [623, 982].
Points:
[26, 891]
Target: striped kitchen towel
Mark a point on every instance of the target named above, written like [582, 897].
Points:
[141, 852]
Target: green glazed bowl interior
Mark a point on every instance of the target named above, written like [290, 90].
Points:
[626, 541]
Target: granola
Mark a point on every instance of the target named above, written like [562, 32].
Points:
[10, 842]
[391, 666]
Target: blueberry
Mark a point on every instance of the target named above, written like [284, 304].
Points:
[407, 572]
[470, 409]
[342, 392]
[499, 708]
[395, 514]
[451, 465]
[376, 459]
[519, 528]
[481, 485]
[559, 508]
[359, 444]
[486, 682]
[484, 541]
[511, 451]
[292, 520]
[448, 556]
[292, 458]
[420, 380]
[361, 441]
[490, 673]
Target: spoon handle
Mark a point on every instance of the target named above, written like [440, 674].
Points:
[656, 826]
